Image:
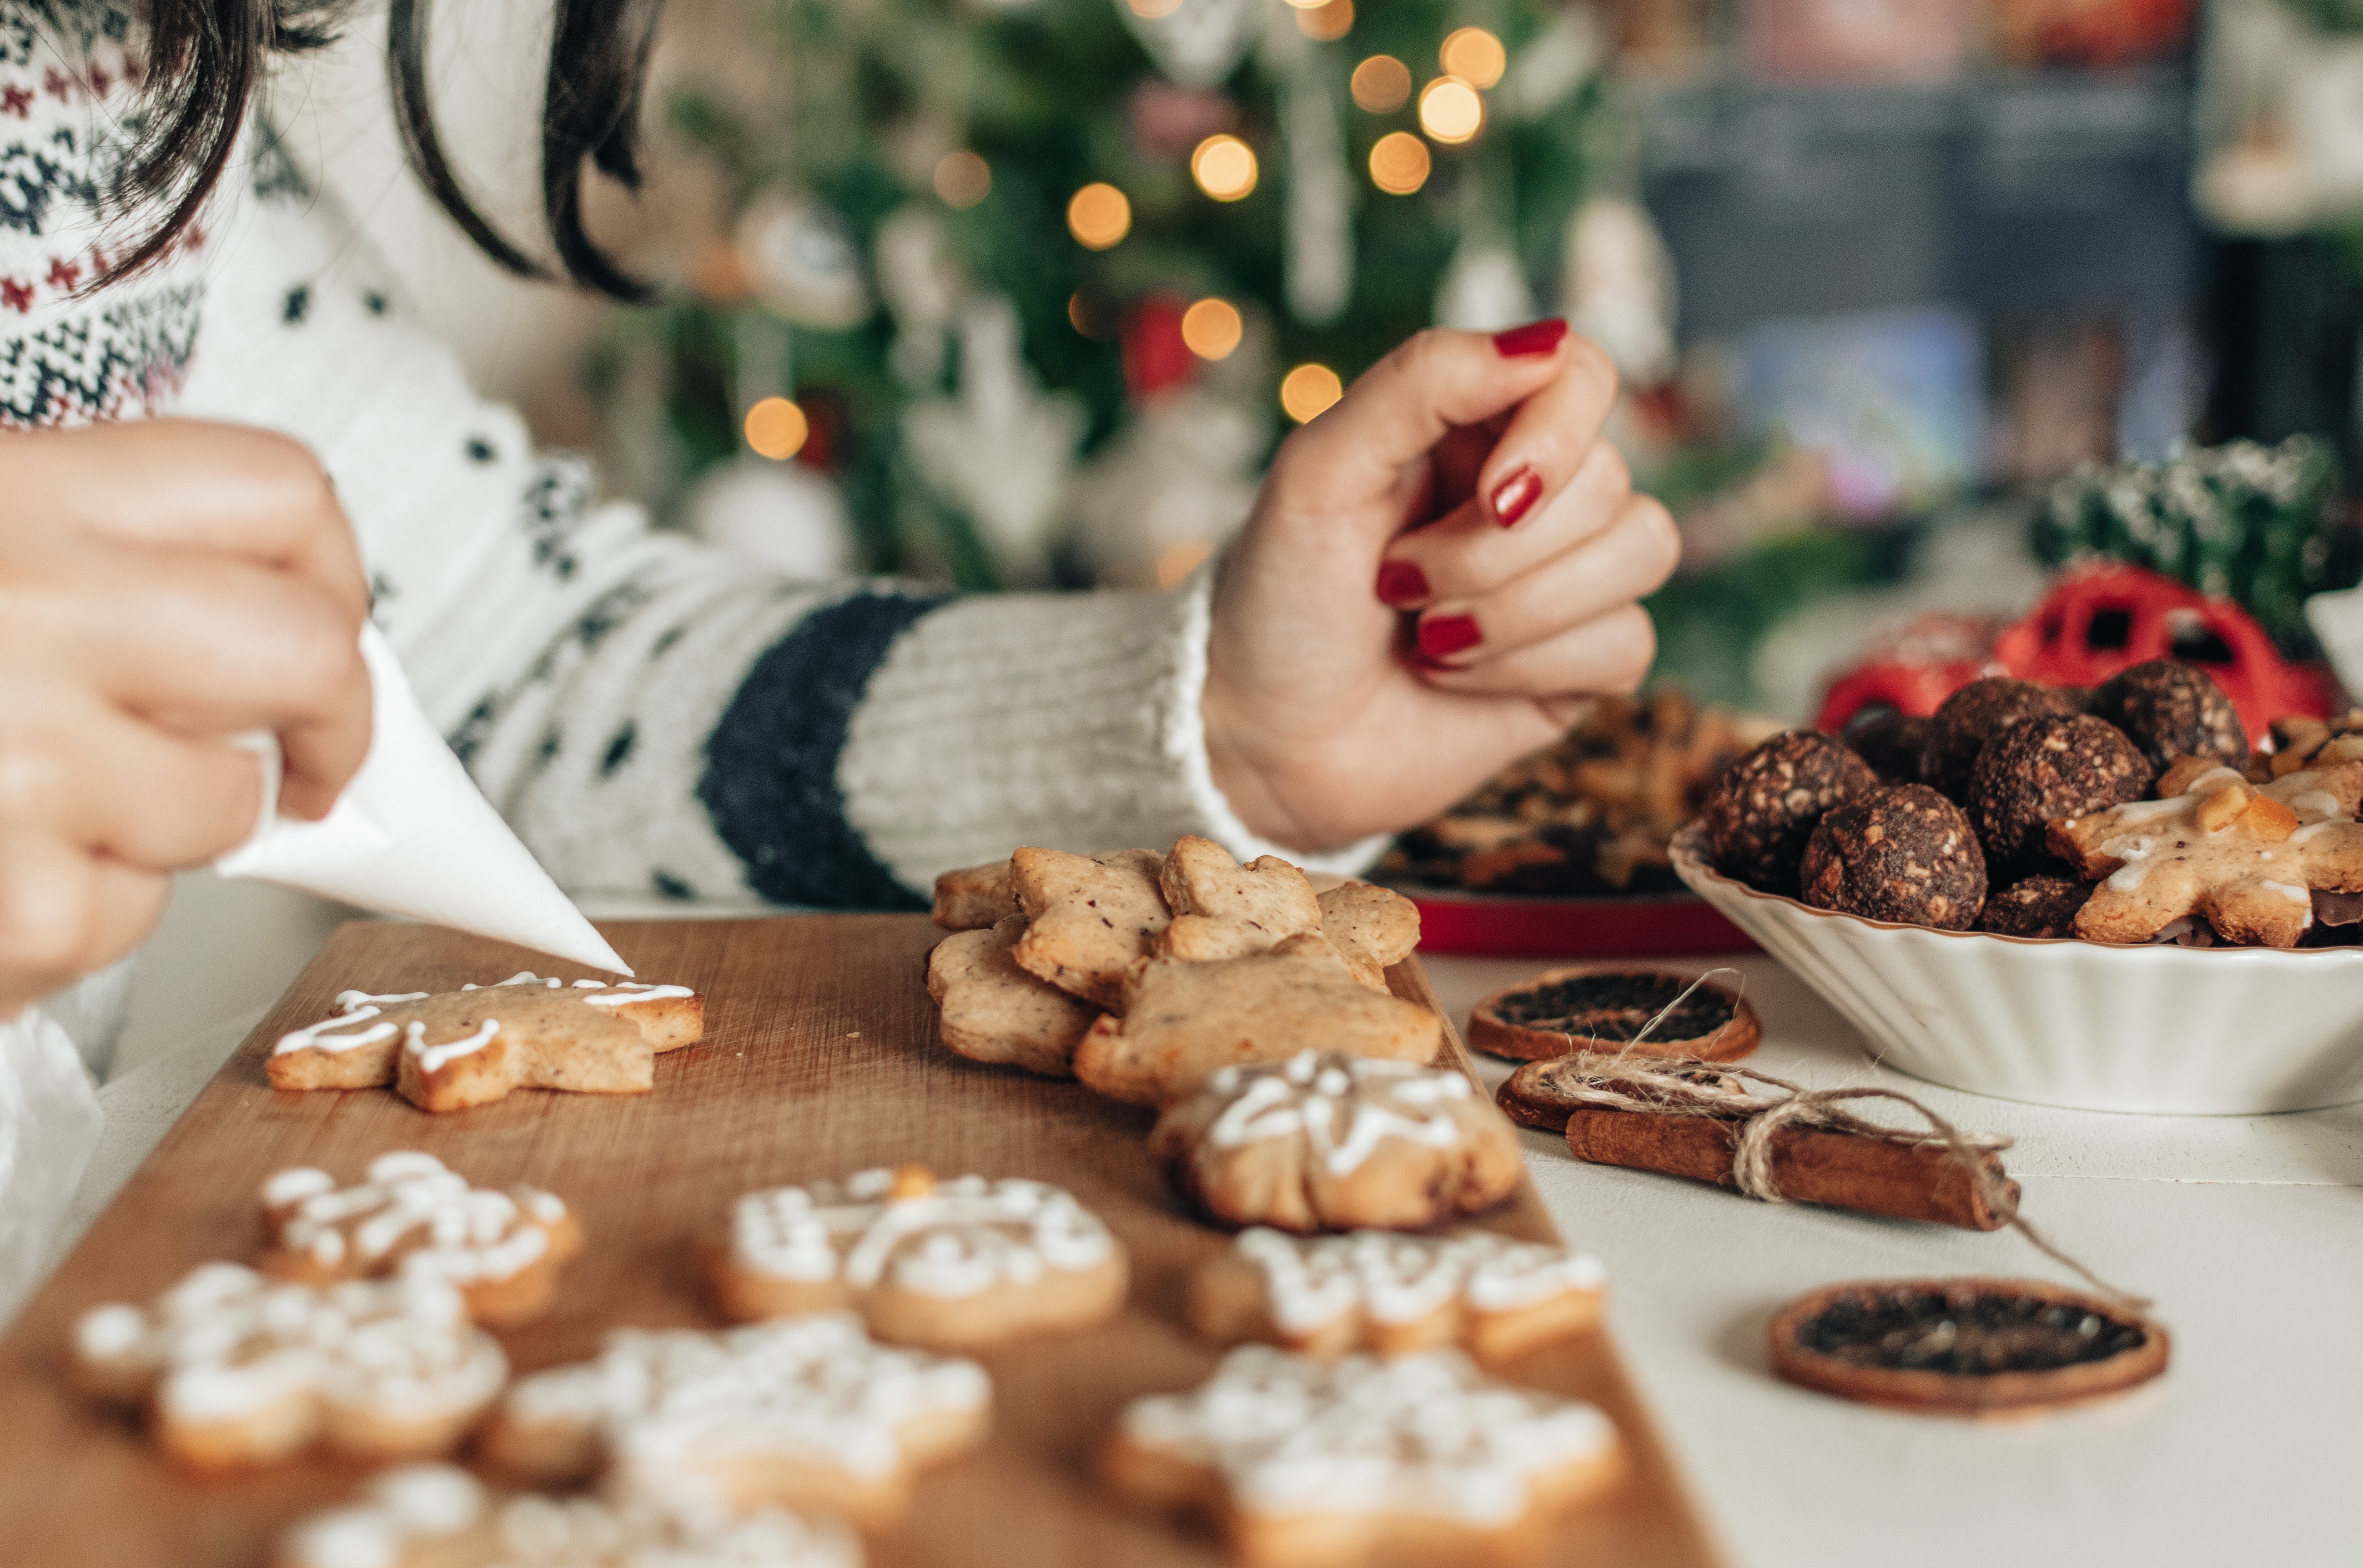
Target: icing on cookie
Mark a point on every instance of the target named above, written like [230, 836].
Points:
[948, 1239]
[322, 1035]
[226, 1343]
[621, 994]
[1422, 1434]
[433, 1058]
[1311, 1282]
[815, 1389]
[412, 1208]
[1344, 1106]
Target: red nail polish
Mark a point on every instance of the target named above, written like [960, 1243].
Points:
[1516, 495]
[1402, 582]
[1449, 633]
[1534, 337]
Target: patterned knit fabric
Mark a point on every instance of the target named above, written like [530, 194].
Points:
[652, 716]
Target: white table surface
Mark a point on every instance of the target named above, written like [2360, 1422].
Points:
[2244, 1230]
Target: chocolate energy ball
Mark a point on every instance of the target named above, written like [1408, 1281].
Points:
[1763, 809]
[1902, 852]
[2044, 769]
[1975, 715]
[2037, 906]
[2172, 709]
[1889, 741]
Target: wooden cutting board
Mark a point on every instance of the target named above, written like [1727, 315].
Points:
[820, 1058]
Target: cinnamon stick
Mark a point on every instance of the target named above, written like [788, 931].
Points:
[1842, 1170]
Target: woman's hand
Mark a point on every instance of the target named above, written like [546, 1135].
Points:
[1440, 570]
[163, 586]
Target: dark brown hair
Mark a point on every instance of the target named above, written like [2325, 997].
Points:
[205, 56]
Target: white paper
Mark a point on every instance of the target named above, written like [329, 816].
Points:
[413, 836]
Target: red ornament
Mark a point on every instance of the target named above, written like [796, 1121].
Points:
[1155, 357]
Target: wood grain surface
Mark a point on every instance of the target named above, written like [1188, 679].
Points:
[820, 1058]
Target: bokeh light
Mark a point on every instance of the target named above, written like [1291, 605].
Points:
[1475, 56]
[1381, 84]
[1451, 111]
[1326, 24]
[1151, 10]
[1308, 390]
[1093, 312]
[962, 178]
[1211, 327]
[1098, 216]
[1224, 168]
[1399, 163]
[776, 429]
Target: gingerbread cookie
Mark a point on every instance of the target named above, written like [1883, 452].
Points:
[437, 1516]
[2246, 859]
[989, 1009]
[1188, 1020]
[472, 1046]
[1223, 909]
[809, 1412]
[1090, 919]
[1327, 1141]
[1308, 1463]
[1377, 1291]
[1373, 929]
[237, 1369]
[416, 1218]
[975, 898]
[961, 1264]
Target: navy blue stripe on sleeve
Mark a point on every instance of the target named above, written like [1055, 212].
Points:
[771, 764]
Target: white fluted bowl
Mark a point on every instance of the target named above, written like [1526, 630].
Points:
[2168, 1030]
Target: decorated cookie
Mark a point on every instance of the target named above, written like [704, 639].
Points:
[1963, 1347]
[1307, 1463]
[413, 1217]
[1901, 852]
[1223, 909]
[951, 1265]
[1377, 1291]
[1090, 919]
[1373, 928]
[1189, 1020]
[975, 899]
[471, 1046]
[1604, 1007]
[237, 1369]
[1327, 1141]
[989, 1009]
[2245, 858]
[437, 1516]
[1763, 809]
[809, 1412]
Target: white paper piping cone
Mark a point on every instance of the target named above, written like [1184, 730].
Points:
[412, 835]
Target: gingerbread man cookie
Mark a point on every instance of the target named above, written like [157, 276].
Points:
[1376, 1290]
[1223, 909]
[237, 1369]
[2247, 859]
[471, 1046]
[1371, 927]
[1326, 1141]
[1090, 919]
[809, 1412]
[1308, 1463]
[437, 1516]
[989, 1009]
[415, 1217]
[961, 1264]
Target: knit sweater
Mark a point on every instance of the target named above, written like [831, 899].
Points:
[651, 716]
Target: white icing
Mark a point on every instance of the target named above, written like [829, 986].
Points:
[1426, 1435]
[2290, 891]
[1312, 1283]
[1344, 1107]
[318, 1037]
[433, 1058]
[959, 1239]
[414, 1209]
[814, 1389]
[522, 977]
[2319, 805]
[626, 992]
[348, 1001]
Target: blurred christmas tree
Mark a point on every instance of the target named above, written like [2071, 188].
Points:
[1037, 283]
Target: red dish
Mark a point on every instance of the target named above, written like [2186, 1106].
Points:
[1672, 925]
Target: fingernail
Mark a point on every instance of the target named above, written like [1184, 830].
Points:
[1516, 497]
[1444, 635]
[1534, 337]
[1402, 582]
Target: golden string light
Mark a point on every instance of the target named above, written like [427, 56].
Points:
[1326, 24]
[1381, 84]
[1475, 56]
[1224, 168]
[962, 178]
[1098, 216]
[776, 429]
[1451, 111]
[1399, 163]
[1212, 328]
[1306, 392]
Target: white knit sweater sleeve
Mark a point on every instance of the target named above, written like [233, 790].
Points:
[653, 716]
